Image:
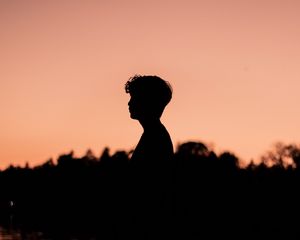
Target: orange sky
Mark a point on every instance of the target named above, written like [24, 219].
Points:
[234, 67]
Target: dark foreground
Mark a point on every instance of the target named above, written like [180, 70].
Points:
[198, 195]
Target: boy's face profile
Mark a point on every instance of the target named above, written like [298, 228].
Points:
[139, 108]
[134, 107]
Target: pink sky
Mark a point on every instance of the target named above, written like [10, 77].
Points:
[234, 67]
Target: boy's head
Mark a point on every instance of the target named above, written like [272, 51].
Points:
[149, 96]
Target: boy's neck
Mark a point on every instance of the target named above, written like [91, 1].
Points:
[149, 124]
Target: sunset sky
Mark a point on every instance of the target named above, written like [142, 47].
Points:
[234, 67]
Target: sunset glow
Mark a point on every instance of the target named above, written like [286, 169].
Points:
[233, 65]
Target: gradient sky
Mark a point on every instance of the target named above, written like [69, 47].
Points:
[234, 67]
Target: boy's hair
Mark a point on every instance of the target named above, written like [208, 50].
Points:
[152, 89]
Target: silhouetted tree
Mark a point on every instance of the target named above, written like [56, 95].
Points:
[282, 155]
[229, 160]
[192, 149]
[65, 159]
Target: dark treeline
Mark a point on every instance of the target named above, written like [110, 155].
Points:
[206, 195]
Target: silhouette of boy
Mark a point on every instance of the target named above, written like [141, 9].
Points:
[150, 161]
[149, 97]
